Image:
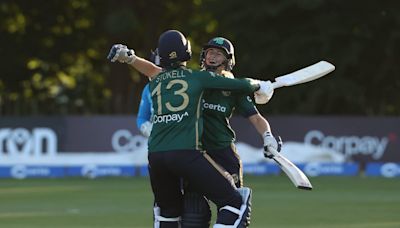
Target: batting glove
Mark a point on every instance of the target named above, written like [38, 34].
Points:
[122, 54]
[145, 128]
[264, 94]
[271, 142]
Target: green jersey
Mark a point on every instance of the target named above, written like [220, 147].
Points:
[177, 101]
[218, 108]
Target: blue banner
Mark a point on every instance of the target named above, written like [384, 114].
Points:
[330, 169]
[388, 170]
[144, 171]
[94, 171]
[89, 171]
[25, 171]
[261, 169]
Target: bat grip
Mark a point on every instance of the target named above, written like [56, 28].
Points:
[273, 151]
[276, 85]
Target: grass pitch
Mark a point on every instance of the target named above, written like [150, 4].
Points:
[335, 202]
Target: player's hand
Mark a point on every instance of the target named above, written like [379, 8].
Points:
[264, 94]
[271, 142]
[145, 128]
[122, 54]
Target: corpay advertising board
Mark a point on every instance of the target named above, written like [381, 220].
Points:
[101, 144]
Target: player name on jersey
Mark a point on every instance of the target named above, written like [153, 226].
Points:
[170, 75]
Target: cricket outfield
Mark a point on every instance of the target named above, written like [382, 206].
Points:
[335, 202]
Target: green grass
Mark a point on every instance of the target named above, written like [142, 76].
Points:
[335, 202]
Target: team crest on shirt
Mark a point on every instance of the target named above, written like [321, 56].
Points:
[226, 93]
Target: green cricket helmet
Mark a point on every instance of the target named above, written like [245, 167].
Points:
[223, 44]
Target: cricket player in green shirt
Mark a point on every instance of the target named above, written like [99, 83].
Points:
[218, 138]
[175, 141]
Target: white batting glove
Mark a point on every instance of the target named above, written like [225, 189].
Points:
[145, 128]
[271, 142]
[122, 54]
[265, 93]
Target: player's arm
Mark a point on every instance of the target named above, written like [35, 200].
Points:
[246, 108]
[264, 129]
[146, 67]
[123, 54]
[210, 80]
[260, 123]
[247, 86]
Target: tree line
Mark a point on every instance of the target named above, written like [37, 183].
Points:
[53, 53]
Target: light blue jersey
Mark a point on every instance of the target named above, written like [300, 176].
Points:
[145, 108]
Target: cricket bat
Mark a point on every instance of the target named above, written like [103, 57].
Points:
[298, 178]
[304, 75]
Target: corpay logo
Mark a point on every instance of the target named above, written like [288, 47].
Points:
[169, 118]
[123, 141]
[21, 142]
[349, 145]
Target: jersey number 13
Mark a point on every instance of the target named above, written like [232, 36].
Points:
[180, 92]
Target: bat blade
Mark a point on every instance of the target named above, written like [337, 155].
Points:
[304, 75]
[298, 178]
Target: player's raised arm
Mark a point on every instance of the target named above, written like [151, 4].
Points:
[123, 54]
[245, 85]
[146, 67]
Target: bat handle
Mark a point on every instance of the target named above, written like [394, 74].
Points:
[276, 85]
[273, 151]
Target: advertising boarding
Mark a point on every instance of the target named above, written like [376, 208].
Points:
[112, 146]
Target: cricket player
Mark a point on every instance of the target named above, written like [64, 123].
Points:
[145, 112]
[174, 143]
[218, 56]
[218, 139]
[143, 120]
